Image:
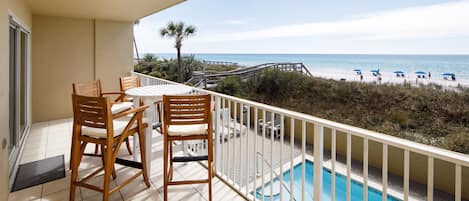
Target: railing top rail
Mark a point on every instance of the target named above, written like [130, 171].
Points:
[253, 68]
[442, 154]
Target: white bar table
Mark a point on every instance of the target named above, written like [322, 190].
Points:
[149, 95]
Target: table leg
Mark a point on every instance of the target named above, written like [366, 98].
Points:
[150, 115]
[135, 140]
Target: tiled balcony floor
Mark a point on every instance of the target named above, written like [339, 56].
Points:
[53, 138]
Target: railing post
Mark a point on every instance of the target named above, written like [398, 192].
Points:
[349, 167]
[217, 134]
[406, 174]
[365, 168]
[333, 159]
[318, 160]
[385, 172]
[430, 178]
[457, 183]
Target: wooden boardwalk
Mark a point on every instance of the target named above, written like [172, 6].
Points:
[201, 80]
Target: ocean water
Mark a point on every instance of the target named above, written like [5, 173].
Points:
[345, 63]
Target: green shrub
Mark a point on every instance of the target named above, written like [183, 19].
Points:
[229, 85]
[424, 114]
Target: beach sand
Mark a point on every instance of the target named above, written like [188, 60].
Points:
[388, 77]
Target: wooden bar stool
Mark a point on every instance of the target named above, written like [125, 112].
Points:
[93, 88]
[93, 122]
[186, 118]
[130, 82]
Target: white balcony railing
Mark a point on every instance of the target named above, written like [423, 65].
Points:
[249, 134]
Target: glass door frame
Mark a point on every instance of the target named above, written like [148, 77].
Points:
[21, 57]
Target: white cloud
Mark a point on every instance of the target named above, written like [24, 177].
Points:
[423, 22]
[236, 22]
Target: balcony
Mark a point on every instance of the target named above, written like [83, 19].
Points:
[267, 153]
[52, 138]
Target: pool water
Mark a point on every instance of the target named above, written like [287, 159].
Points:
[340, 186]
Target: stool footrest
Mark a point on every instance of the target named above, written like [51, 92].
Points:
[182, 159]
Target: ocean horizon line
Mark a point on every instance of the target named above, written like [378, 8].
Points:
[377, 54]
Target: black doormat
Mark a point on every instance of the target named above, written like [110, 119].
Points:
[39, 172]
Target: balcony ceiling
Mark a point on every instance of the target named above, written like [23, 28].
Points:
[119, 10]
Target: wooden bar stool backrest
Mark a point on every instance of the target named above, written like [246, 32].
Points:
[92, 88]
[93, 112]
[129, 82]
[186, 110]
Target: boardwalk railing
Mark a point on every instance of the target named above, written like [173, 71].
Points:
[243, 129]
[223, 63]
[198, 79]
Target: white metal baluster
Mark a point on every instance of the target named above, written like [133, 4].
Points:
[457, 182]
[263, 151]
[229, 146]
[333, 154]
[255, 152]
[282, 134]
[223, 138]
[430, 178]
[235, 104]
[406, 174]
[349, 164]
[365, 168]
[241, 161]
[292, 148]
[303, 162]
[318, 160]
[248, 130]
[385, 172]
[272, 118]
[217, 135]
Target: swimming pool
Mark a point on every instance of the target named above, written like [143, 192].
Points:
[340, 186]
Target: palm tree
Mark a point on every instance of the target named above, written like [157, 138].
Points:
[179, 31]
[135, 42]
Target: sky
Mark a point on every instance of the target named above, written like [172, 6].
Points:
[313, 26]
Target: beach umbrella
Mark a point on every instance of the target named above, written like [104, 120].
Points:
[357, 70]
[447, 74]
[398, 72]
[374, 71]
[420, 72]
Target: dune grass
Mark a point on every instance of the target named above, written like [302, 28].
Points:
[423, 114]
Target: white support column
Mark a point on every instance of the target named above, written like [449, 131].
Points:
[318, 160]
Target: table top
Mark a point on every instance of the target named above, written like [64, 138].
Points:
[158, 90]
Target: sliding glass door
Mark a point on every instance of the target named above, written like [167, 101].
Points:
[19, 89]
